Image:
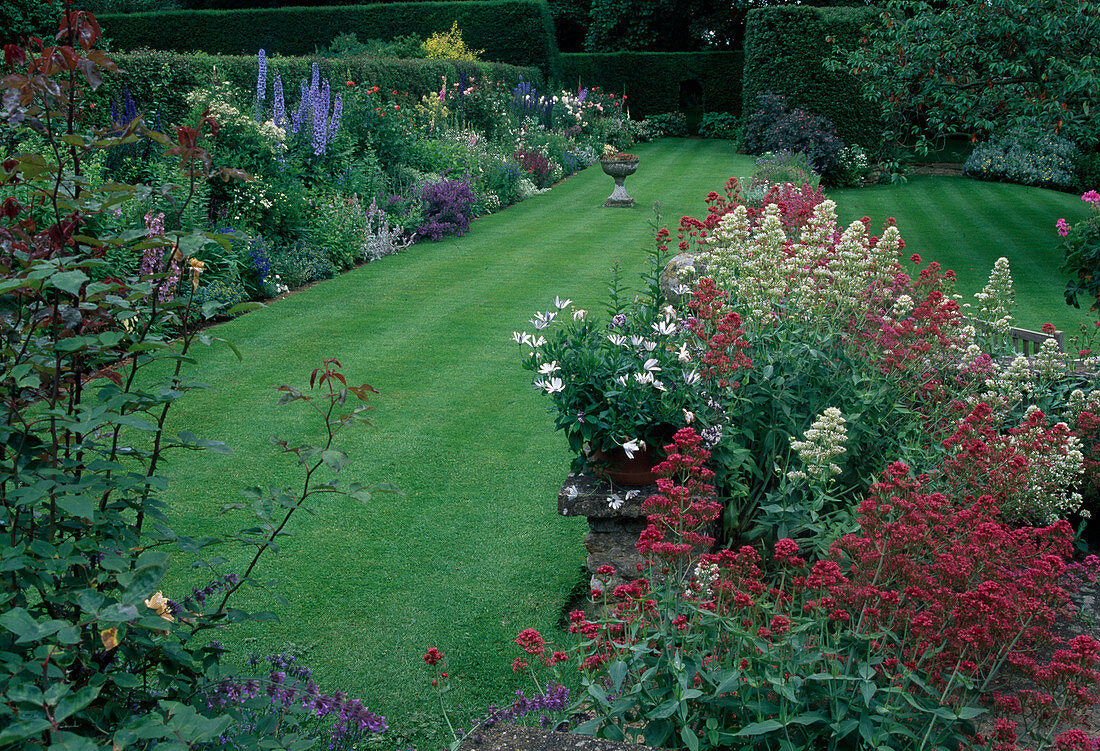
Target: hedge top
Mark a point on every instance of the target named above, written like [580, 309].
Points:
[518, 32]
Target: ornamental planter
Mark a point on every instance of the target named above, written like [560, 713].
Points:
[616, 466]
[619, 170]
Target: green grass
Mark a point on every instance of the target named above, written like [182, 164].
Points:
[474, 550]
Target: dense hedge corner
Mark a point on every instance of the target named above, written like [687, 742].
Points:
[785, 51]
[517, 32]
[657, 82]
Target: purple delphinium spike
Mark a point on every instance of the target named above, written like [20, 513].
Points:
[129, 107]
[280, 102]
[299, 116]
[114, 112]
[261, 86]
[337, 111]
[320, 120]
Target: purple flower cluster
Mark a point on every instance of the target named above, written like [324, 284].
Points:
[197, 598]
[448, 208]
[556, 699]
[260, 258]
[527, 102]
[290, 685]
[261, 86]
[280, 102]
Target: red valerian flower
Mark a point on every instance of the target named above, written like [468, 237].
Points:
[433, 656]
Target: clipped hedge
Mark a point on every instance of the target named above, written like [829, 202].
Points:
[159, 81]
[518, 32]
[785, 49]
[652, 80]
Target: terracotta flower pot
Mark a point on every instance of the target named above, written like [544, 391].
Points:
[616, 466]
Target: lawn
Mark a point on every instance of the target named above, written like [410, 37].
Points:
[474, 551]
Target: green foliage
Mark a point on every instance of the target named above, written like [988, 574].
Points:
[221, 294]
[160, 80]
[778, 168]
[983, 68]
[517, 32]
[1087, 167]
[449, 45]
[338, 225]
[1025, 157]
[652, 80]
[664, 25]
[785, 52]
[720, 125]
[670, 124]
[94, 654]
[25, 18]
[1082, 254]
[348, 45]
[302, 262]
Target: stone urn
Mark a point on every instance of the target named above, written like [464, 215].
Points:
[619, 169]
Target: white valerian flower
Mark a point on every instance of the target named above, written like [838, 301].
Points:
[579, 314]
[617, 339]
[689, 417]
[633, 445]
[684, 354]
[822, 443]
[614, 501]
[548, 368]
[571, 492]
[651, 365]
[559, 303]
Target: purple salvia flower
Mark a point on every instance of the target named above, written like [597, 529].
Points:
[280, 103]
[261, 86]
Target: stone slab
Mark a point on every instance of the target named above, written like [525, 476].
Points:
[518, 738]
[589, 495]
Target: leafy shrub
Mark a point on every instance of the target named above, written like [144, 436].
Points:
[852, 167]
[221, 295]
[720, 125]
[1087, 167]
[785, 167]
[339, 225]
[382, 238]
[448, 45]
[774, 127]
[536, 165]
[668, 124]
[408, 46]
[302, 262]
[1025, 157]
[1082, 254]
[448, 208]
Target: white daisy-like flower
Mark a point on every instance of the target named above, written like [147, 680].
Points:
[554, 385]
[522, 338]
[579, 314]
[689, 417]
[658, 385]
[684, 355]
[621, 380]
[632, 493]
[651, 365]
[571, 492]
[614, 501]
[634, 444]
[680, 289]
[649, 346]
[664, 328]
[644, 377]
[692, 377]
[559, 303]
[637, 340]
[617, 339]
[542, 320]
[548, 368]
[670, 312]
[538, 342]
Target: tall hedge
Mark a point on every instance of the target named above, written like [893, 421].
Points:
[518, 32]
[159, 81]
[785, 49]
[652, 80]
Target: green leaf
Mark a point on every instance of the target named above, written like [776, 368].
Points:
[690, 739]
[21, 623]
[617, 671]
[663, 710]
[334, 459]
[759, 728]
[23, 729]
[585, 728]
[69, 281]
[73, 703]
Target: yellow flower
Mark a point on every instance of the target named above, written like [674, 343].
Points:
[196, 270]
[159, 603]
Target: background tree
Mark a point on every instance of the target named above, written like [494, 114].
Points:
[666, 25]
[960, 67]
